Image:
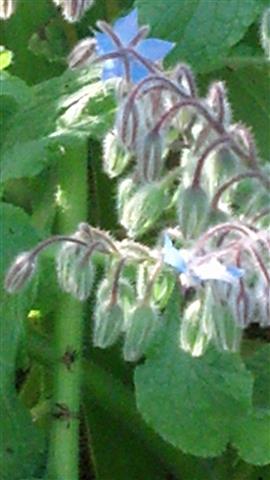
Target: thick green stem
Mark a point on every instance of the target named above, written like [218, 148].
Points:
[63, 448]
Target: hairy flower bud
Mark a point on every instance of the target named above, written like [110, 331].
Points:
[115, 158]
[143, 209]
[218, 103]
[263, 304]
[193, 209]
[143, 324]
[112, 310]
[7, 8]
[125, 295]
[149, 157]
[183, 75]
[20, 272]
[225, 163]
[82, 54]
[243, 137]
[126, 188]
[127, 124]
[219, 323]
[162, 289]
[73, 10]
[193, 339]
[108, 324]
[75, 271]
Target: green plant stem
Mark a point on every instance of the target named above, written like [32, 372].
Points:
[63, 447]
[101, 386]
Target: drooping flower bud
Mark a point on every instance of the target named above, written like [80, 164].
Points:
[143, 209]
[128, 123]
[20, 272]
[225, 163]
[108, 324]
[240, 301]
[193, 339]
[216, 216]
[82, 54]
[143, 324]
[219, 323]
[263, 304]
[126, 188]
[265, 32]
[73, 10]
[75, 271]
[7, 8]
[115, 158]
[193, 209]
[244, 138]
[149, 157]
[218, 103]
[183, 75]
[161, 287]
[112, 313]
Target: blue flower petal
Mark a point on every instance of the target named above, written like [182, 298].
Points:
[172, 256]
[138, 71]
[235, 271]
[213, 269]
[127, 27]
[111, 69]
[154, 49]
[104, 44]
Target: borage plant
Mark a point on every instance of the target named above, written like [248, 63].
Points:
[182, 282]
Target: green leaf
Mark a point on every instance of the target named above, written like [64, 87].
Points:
[192, 402]
[50, 41]
[119, 405]
[21, 160]
[259, 365]
[15, 87]
[5, 58]
[203, 30]
[16, 33]
[21, 442]
[125, 458]
[252, 438]
[61, 109]
[257, 424]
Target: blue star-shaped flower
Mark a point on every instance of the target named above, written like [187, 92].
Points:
[125, 51]
[198, 269]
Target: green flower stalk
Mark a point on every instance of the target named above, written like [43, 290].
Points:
[64, 445]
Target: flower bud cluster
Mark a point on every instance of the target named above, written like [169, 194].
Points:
[161, 112]
[247, 249]
[163, 136]
[228, 267]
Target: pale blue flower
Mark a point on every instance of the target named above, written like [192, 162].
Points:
[172, 256]
[125, 52]
[198, 269]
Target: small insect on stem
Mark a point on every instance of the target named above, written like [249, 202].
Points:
[62, 412]
[69, 357]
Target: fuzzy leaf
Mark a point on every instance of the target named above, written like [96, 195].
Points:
[65, 107]
[192, 402]
[253, 84]
[203, 30]
[21, 442]
[252, 438]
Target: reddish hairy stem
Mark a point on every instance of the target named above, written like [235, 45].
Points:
[221, 141]
[230, 182]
